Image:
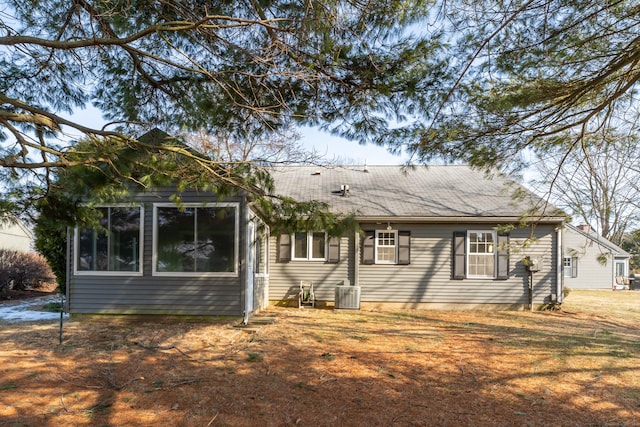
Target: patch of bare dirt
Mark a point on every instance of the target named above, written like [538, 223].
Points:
[319, 367]
[11, 295]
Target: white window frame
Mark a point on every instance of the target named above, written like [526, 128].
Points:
[567, 269]
[618, 262]
[494, 254]
[309, 251]
[76, 246]
[378, 246]
[236, 243]
[261, 252]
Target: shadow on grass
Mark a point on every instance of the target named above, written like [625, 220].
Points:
[318, 367]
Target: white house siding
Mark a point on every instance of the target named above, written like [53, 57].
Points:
[428, 278]
[285, 277]
[148, 294]
[14, 236]
[591, 273]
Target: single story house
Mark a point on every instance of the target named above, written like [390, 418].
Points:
[14, 234]
[592, 262]
[437, 236]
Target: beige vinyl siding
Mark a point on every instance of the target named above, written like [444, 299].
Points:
[147, 294]
[428, 279]
[285, 277]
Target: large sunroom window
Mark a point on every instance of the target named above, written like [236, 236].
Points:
[115, 246]
[195, 239]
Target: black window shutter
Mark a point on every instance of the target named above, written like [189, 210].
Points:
[459, 254]
[574, 267]
[404, 247]
[503, 257]
[368, 247]
[284, 248]
[334, 250]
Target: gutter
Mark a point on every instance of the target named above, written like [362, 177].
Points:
[456, 219]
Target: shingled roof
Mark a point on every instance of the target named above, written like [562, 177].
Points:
[427, 192]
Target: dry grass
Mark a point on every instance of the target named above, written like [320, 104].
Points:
[577, 367]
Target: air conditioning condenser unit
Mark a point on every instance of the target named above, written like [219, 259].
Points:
[347, 297]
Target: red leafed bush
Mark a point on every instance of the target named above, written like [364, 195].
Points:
[23, 270]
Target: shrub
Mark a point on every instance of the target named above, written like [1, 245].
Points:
[23, 270]
[51, 243]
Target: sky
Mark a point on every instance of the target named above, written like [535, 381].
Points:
[323, 143]
[333, 146]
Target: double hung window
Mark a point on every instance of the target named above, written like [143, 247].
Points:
[481, 255]
[386, 247]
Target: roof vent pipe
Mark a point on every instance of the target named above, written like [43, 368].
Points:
[345, 190]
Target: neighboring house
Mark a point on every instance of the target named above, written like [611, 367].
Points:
[590, 261]
[438, 236]
[14, 234]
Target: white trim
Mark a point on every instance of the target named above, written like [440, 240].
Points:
[376, 246]
[264, 250]
[617, 261]
[140, 272]
[309, 251]
[494, 255]
[571, 259]
[236, 243]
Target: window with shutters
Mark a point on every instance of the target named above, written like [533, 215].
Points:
[480, 254]
[386, 247]
[305, 246]
[309, 245]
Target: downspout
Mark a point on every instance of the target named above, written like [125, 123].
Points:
[247, 270]
[356, 258]
[559, 269]
[67, 280]
[531, 283]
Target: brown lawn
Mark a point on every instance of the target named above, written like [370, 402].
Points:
[311, 367]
